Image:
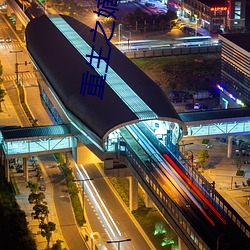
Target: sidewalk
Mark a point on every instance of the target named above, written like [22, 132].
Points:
[8, 116]
[22, 200]
[220, 169]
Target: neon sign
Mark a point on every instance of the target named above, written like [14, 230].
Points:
[218, 8]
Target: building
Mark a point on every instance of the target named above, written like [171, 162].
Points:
[236, 15]
[235, 70]
[217, 15]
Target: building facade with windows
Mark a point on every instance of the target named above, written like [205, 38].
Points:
[216, 15]
[235, 70]
[236, 15]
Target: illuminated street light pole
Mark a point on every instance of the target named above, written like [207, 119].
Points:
[183, 145]
[16, 64]
[218, 241]
[117, 241]
[196, 24]
[192, 156]
[119, 32]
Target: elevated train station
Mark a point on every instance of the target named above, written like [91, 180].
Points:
[59, 48]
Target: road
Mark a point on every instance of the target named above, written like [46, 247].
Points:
[105, 213]
[26, 75]
[118, 223]
[63, 204]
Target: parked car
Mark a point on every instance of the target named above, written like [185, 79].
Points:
[197, 105]
[8, 40]
[1, 40]
[42, 186]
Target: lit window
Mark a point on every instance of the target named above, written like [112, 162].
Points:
[237, 10]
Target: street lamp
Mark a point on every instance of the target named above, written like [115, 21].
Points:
[218, 241]
[83, 180]
[191, 156]
[183, 145]
[119, 32]
[16, 64]
[117, 241]
[26, 71]
[196, 17]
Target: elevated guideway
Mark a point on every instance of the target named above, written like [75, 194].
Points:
[19, 12]
[145, 165]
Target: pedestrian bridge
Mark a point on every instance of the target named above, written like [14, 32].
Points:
[22, 142]
[229, 122]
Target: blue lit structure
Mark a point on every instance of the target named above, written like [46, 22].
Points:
[130, 96]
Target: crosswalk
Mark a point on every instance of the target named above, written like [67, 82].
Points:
[10, 46]
[12, 77]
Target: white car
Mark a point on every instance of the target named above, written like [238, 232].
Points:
[197, 105]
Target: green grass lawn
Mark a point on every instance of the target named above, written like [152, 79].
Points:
[192, 72]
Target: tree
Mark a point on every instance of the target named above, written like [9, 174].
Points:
[2, 91]
[163, 24]
[33, 186]
[238, 162]
[41, 212]
[2, 94]
[37, 198]
[202, 157]
[57, 245]
[46, 230]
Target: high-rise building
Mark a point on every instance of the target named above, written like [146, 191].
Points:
[236, 15]
[235, 70]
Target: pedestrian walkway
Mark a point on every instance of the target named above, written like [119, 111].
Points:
[8, 115]
[22, 200]
[10, 46]
[12, 77]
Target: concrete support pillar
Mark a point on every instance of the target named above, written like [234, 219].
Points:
[108, 164]
[148, 201]
[74, 149]
[67, 159]
[7, 170]
[9, 11]
[19, 25]
[133, 193]
[2, 158]
[229, 146]
[181, 245]
[85, 156]
[25, 168]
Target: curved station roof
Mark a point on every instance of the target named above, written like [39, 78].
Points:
[61, 46]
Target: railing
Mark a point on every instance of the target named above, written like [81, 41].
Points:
[19, 12]
[164, 203]
[173, 51]
[207, 189]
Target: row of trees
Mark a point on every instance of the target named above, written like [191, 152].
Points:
[2, 91]
[41, 213]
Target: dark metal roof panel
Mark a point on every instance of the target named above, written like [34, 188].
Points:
[39, 131]
[63, 66]
[220, 114]
[240, 39]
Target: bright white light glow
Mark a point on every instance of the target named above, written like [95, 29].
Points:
[98, 202]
